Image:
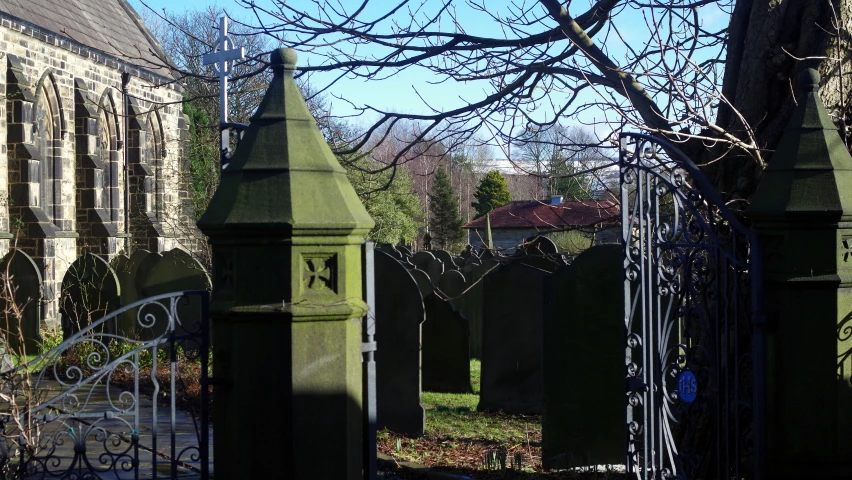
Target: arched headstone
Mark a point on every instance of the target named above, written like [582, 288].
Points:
[24, 279]
[541, 252]
[90, 290]
[177, 271]
[512, 340]
[424, 283]
[422, 260]
[446, 349]
[127, 269]
[452, 283]
[399, 315]
[473, 307]
[584, 346]
[445, 257]
[435, 269]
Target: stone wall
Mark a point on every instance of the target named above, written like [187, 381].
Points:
[90, 155]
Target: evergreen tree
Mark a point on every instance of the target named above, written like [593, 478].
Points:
[493, 192]
[444, 221]
[203, 156]
[389, 199]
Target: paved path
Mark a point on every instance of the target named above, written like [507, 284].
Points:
[97, 438]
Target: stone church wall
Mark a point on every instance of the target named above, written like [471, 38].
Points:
[84, 167]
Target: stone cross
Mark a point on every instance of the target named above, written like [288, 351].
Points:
[223, 53]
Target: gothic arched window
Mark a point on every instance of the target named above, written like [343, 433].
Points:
[155, 152]
[47, 131]
[106, 150]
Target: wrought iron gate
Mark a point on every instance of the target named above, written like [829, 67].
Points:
[692, 297]
[104, 404]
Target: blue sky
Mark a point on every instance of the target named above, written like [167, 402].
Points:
[398, 93]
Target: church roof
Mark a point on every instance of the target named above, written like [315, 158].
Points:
[110, 26]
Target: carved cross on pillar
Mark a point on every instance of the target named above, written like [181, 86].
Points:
[317, 273]
[222, 58]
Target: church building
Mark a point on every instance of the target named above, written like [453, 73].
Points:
[91, 137]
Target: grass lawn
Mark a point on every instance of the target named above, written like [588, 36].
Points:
[458, 439]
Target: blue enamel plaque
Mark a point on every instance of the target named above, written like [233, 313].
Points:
[687, 386]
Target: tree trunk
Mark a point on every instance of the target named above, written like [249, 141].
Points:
[767, 37]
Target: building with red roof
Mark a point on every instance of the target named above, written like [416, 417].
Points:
[518, 221]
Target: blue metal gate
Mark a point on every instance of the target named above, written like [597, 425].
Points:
[692, 312]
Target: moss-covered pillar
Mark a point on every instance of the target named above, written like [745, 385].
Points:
[803, 213]
[286, 230]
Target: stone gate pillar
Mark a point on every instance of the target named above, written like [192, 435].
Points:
[286, 230]
[802, 211]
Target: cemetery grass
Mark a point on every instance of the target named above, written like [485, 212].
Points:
[458, 439]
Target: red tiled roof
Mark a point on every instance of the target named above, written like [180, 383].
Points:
[540, 214]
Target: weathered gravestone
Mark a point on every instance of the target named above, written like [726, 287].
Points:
[390, 250]
[467, 299]
[453, 284]
[176, 271]
[127, 270]
[445, 351]
[512, 340]
[422, 260]
[424, 283]
[473, 307]
[90, 290]
[435, 269]
[20, 321]
[541, 252]
[445, 258]
[584, 339]
[399, 314]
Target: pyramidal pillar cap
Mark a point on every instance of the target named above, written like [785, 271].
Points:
[809, 177]
[283, 59]
[283, 179]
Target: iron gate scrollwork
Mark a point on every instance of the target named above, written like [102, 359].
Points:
[102, 404]
[692, 298]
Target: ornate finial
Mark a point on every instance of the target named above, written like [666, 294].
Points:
[283, 58]
[808, 80]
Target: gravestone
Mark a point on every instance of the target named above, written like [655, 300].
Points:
[584, 341]
[435, 269]
[176, 271]
[541, 252]
[445, 258]
[473, 306]
[24, 279]
[446, 349]
[399, 315]
[467, 252]
[129, 270]
[457, 289]
[90, 290]
[424, 283]
[390, 250]
[422, 260]
[512, 340]
[453, 284]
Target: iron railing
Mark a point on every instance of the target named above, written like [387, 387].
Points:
[692, 295]
[87, 408]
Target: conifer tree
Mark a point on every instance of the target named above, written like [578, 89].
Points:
[445, 222]
[493, 192]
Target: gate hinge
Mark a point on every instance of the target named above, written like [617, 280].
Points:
[367, 347]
